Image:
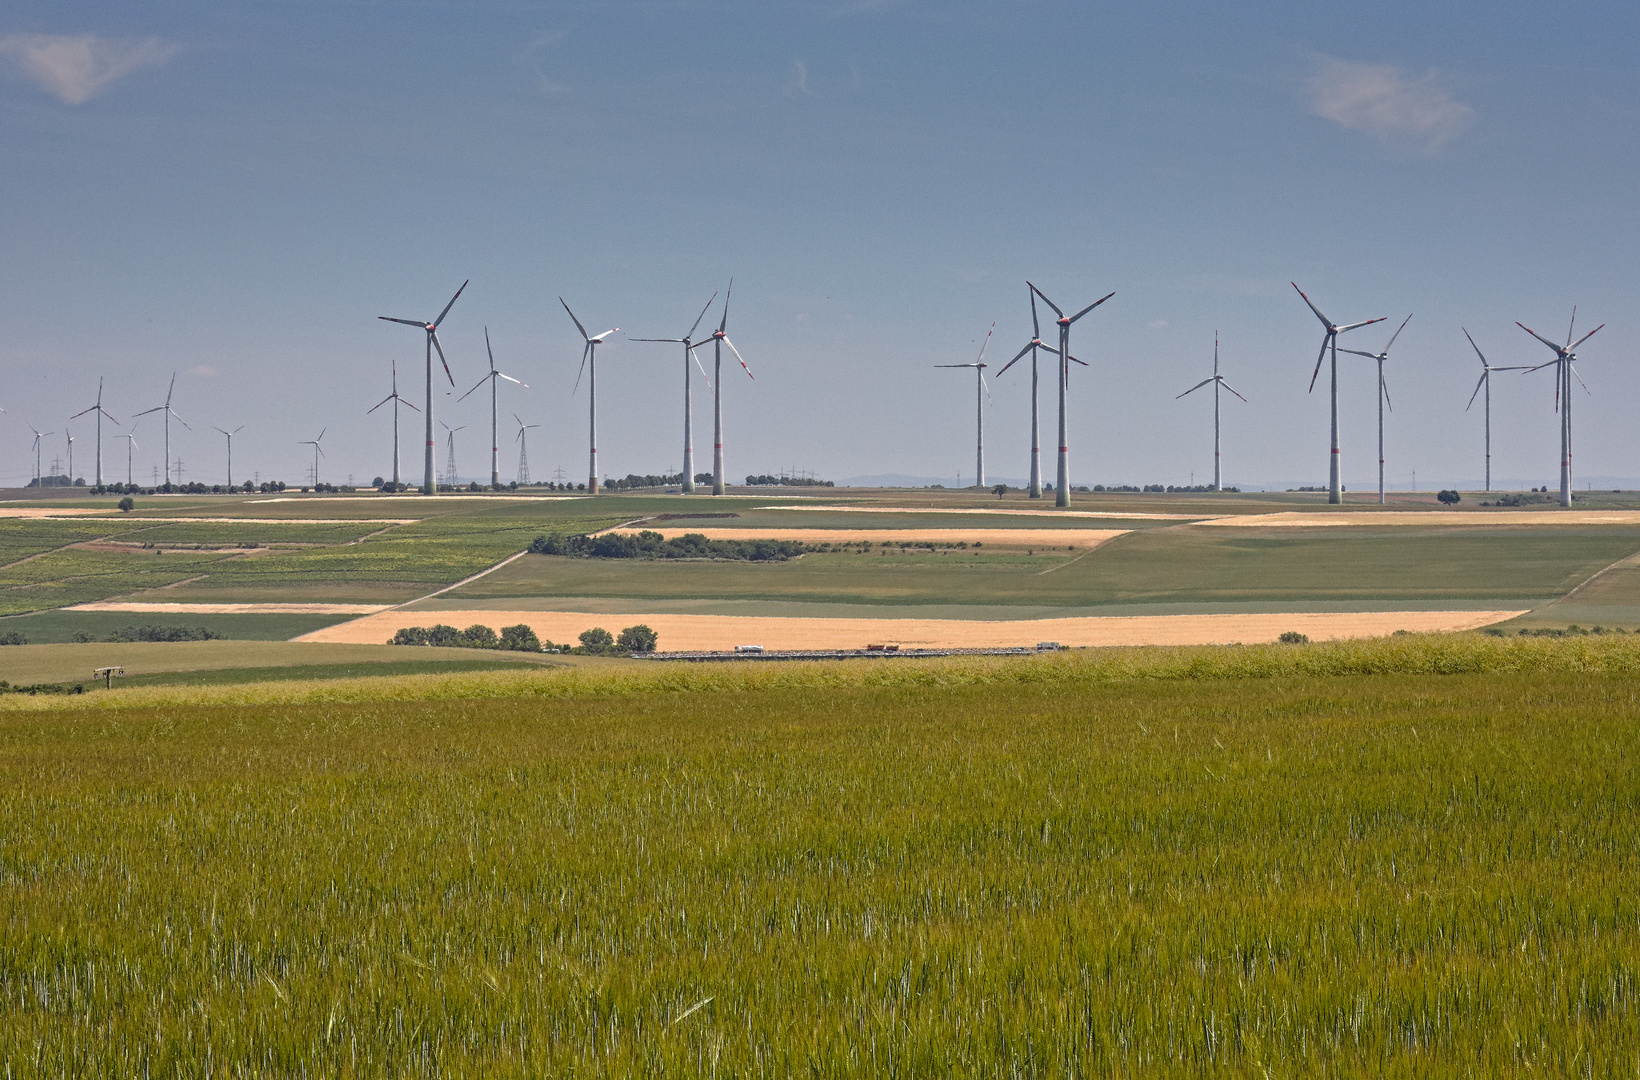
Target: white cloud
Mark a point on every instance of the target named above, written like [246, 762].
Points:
[77, 67]
[799, 82]
[1380, 100]
[204, 371]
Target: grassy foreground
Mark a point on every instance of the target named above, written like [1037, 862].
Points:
[1407, 857]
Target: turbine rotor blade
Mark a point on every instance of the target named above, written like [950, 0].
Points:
[723, 327]
[1036, 329]
[1586, 337]
[573, 319]
[487, 348]
[510, 379]
[1478, 352]
[1093, 305]
[987, 342]
[407, 322]
[372, 408]
[1364, 322]
[1358, 352]
[674, 340]
[1478, 384]
[1317, 372]
[1324, 320]
[450, 305]
[481, 382]
[434, 335]
[1539, 336]
[1045, 300]
[585, 349]
[1193, 389]
[1232, 389]
[1397, 333]
[1015, 360]
[702, 315]
[736, 351]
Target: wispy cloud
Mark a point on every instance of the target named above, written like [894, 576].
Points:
[204, 371]
[75, 68]
[1382, 101]
[533, 56]
[799, 81]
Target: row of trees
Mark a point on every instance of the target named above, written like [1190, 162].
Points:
[267, 487]
[787, 481]
[594, 642]
[652, 545]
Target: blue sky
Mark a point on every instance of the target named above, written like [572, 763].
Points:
[235, 191]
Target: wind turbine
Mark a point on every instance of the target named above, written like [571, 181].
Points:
[1218, 382]
[720, 338]
[317, 451]
[130, 438]
[1383, 397]
[38, 435]
[980, 394]
[495, 437]
[169, 412]
[1031, 347]
[688, 399]
[430, 483]
[1062, 488]
[523, 450]
[101, 412]
[589, 351]
[397, 401]
[1565, 357]
[450, 443]
[70, 435]
[1486, 381]
[241, 427]
[1334, 486]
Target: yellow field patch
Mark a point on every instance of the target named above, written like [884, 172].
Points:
[1306, 519]
[716, 632]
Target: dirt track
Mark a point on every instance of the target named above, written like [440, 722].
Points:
[727, 631]
[1041, 538]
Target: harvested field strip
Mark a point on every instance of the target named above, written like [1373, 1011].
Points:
[989, 510]
[1431, 518]
[230, 609]
[726, 631]
[1038, 538]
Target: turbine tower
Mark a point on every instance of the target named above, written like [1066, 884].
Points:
[720, 338]
[1565, 357]
[1383, 397]
[397, 401]
[38, 435]
[1031, 347]
[1062, 488]
[130, 438]
[1486, 381]
[70, 435]
[450, 444]
[169, 412]
[589, 351]
[317, 451]
[1334, 485]
[236, 431]
[101, 412]
[1218, 383]
[523, 450]
[495, 437]
[688, 398]
[980, 394]
[429, 482]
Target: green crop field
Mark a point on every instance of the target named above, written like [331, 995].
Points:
[1241, 862]
[46, 627]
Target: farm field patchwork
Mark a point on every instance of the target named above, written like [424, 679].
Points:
[1040, 866]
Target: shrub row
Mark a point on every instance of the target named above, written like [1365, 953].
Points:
[652, 545]
[520, 638]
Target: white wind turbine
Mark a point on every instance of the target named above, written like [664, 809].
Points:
[1062, 487]
[1335, 492]
[720, 338]
[430, 482]
[38, 435]
[169, 412]
[130, 438]
[397, 401]
[523, 450]
[495, 437]
[1218, 382]
[980, 394]
[101, 412]
[1383, 397]
[70, 436]
[687, 341]
[317, 453]
[1031, 346]
[236, 431]
[589, 352]
[1486, 381]
[1565, 357]
[450, 445]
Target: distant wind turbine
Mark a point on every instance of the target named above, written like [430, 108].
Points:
[241, 427]
[1565, 357]
[1032, 346]
[38, 435]
[1383, 397]
[70, 435]
[687, 341]
[101, 412]
[430, 483]
[450, 443]
[495, 437]
[169, 412]
[1335, 492]
[980, 394]
[1486, 382]
[523, 450]
[720, 338]
[1218, 382]
[397, 401]
[589, 352]
[318, 451]
[130, 438]
[1062, 488]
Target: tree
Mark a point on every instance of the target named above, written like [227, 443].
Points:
[637, 639]
[444, 634]
[1000, 490]
[520, 638]
[479, 636]
[596, 640]
[127, 503]
[1449, 497]
[1293, 637]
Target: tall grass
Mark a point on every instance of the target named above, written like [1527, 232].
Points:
[1142, 863]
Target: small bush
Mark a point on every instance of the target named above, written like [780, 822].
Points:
[1449, 497]
[1293, 637]
[127, 504]
[163, 633]
[13, 638]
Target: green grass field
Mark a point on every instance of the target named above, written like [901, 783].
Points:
[52, 627]
[1240, 862]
